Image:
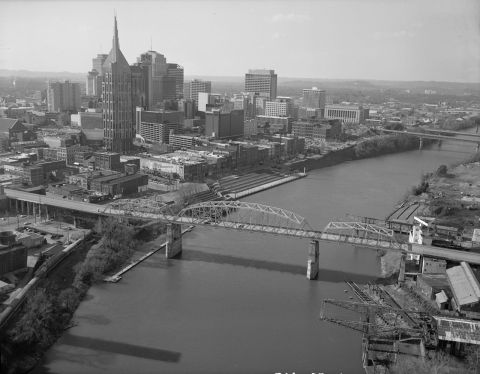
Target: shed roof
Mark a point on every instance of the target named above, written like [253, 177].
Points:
[464, 284]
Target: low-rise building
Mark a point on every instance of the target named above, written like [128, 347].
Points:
[347, 113]
[318, 129]
[107, 161]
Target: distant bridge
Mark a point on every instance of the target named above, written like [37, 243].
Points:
[254, 217]
[427, 135]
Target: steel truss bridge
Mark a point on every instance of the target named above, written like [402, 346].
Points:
[254, 217]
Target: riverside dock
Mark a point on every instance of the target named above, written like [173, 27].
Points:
[236, 187]
[118, 276]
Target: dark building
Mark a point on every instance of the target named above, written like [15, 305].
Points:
[107, 160]
[118, 122]
[15, 130]
[221, 124]
[12, 259]
[120, 185]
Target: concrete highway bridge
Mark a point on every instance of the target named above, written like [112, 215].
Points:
[433, 134]
[246, 216]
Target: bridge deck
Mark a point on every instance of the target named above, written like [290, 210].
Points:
[433, 136]
[445, 253]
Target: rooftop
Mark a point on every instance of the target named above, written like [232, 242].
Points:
[464, 284]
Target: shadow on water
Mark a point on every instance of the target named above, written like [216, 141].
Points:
[99, 353]
[324, 275]
[121, 348]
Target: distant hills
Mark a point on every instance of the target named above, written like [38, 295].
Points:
[297, 83]
[64, 75]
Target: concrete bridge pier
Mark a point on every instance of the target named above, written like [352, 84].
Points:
[313, 260]
[174, 240]
[401, 273]
[478, 147]
[420, 145]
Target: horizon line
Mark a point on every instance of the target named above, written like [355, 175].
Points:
[241, 76]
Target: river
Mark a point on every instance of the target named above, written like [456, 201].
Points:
[240, 302]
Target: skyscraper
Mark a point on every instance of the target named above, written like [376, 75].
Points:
[63, 96]
[176, 71]
[94, 77]
[160, 78]
[260, 82]
[118, 115]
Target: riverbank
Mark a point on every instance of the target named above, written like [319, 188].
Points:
[448, 197]
[366, 148]
[57, 296]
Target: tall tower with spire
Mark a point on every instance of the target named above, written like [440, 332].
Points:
[118, 114]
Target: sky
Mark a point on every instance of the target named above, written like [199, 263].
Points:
[429, 40]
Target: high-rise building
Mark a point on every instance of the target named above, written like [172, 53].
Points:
[313, 98]
[176, 71]
[222, 124]
[94, 77]
[192, 88]
[118, 123]
[262, 83]
[63, 96]
[159, 84]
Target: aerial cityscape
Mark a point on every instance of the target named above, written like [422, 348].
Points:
[240, 187]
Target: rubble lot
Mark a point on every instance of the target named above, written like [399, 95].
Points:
[453, 197]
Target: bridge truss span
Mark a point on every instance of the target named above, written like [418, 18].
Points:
[360, 227]
[239, 213]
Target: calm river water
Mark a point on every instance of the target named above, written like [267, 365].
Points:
[240, 302]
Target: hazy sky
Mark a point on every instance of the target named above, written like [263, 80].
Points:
[365, 39]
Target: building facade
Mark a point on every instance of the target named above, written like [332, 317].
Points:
[192, 88]
[262, 83]
[63, 96]
[346, 113]
[313, 98]
[281, 107]
[118, 123]
[323, 129]
[221, 124]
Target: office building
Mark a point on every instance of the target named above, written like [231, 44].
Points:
[318, 129]
[94, 77]
[313, 98]
[63, 96]
[155, 126]
[281, 107]
[207, 101]
[192, 88]
[347, 113]
[160, 79]
[118, 123]
[177, 73]
[261, 83]
[223, 124]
